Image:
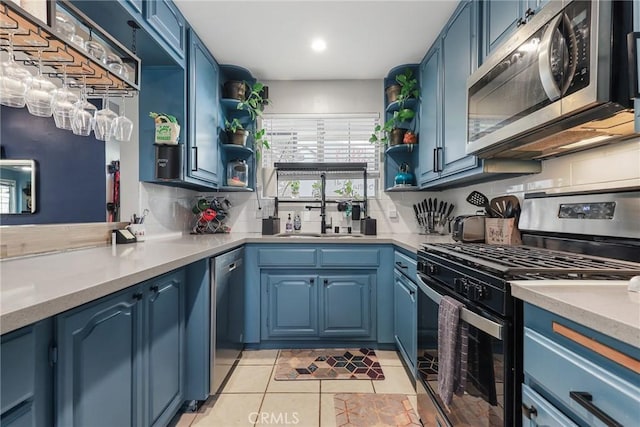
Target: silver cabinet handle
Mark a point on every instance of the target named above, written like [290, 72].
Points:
[549, 84]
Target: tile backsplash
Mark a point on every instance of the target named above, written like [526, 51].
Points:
[613, 166]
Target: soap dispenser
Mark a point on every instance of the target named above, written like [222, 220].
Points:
[289, 226]
[297, 223]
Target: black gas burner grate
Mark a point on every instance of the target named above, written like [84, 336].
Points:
[529, 262]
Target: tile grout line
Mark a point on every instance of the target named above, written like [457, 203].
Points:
[264, 395]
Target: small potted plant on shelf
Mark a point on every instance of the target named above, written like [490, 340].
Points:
[406, 87]
[236, 133]
[390, 133]
[256, 100]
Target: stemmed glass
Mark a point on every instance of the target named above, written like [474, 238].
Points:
[40, 93]
[83, 112]
[122, 127]
[63, 103]
[14, 78]
[103, 120]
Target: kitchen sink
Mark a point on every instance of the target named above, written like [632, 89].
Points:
[306, 235]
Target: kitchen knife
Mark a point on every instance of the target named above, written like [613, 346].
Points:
[421, 214]
[415, 209]
[425, 209]
[448, 215]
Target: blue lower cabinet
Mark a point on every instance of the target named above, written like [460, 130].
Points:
[26, 393]
[405, 318]
[120, 358]
[537, 411]
[291, 305]
[165, 328]
[99, 364]
[345, 305]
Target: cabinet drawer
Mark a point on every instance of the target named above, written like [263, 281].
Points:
[287, 257]
[17, 353]
[560, 371]
[541, 412]
[406, 265]
[350, 257]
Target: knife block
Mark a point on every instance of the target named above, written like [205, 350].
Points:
[501, 231]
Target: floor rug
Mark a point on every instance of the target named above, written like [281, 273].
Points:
[328, 364]
[374, 410]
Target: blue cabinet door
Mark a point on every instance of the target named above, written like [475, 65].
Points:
[500, 20]
[165, 317]
[537, 411]
[136, 5]
[204, 113]
[405, 318]
[291, 305]
[166, 19]
[458, 56]
[26, 377]
[98, 370]
[345, 305]
[430, 114]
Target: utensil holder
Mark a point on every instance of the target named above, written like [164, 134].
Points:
[502, 231]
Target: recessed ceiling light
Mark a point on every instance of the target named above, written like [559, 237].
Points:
[318, 45]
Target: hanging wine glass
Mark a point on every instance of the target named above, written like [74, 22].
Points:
[14, 78]
[40, 93]
[103, 120]
[122, 127]
[63, 103]
[83, 112]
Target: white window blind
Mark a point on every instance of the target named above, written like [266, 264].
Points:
[322, 138]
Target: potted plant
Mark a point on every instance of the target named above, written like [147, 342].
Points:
[236, 133]
[406, 87]
[234, 89]
[390, 133]
[255, 101]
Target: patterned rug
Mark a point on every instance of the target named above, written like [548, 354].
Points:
[328, 364]
[374, 410]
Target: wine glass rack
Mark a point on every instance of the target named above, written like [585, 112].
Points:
[59, 54]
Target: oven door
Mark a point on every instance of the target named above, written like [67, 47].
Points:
[489, 367]
[520, 86]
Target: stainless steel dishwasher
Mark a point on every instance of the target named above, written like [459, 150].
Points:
[227, 314]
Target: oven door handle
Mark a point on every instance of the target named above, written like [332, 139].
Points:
[485, 325]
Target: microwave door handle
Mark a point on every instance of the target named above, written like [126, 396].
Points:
[485, 325]
[544, 61]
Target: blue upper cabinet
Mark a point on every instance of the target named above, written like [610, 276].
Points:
[167, 20]
[430, 114]
[459, 53]
[136, 5]
[502, 18]
[204, 114]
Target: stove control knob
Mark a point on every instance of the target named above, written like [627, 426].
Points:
[432, 269]
[477, 292]
[460, 285]
[421, 267]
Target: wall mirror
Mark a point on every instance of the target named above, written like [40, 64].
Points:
[17, 186]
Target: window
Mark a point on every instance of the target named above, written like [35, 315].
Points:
[7, 196]
[323, 138]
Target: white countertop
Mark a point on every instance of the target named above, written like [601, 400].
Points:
[605, 306]
[37, 287]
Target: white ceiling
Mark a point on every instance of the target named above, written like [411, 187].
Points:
[365, 39]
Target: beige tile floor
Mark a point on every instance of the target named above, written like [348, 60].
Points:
[252, 397]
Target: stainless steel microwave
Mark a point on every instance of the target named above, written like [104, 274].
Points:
[560, 84]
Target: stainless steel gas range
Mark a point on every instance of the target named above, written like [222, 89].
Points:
[478, 275]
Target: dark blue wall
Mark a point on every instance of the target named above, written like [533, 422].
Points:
[71, 171]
